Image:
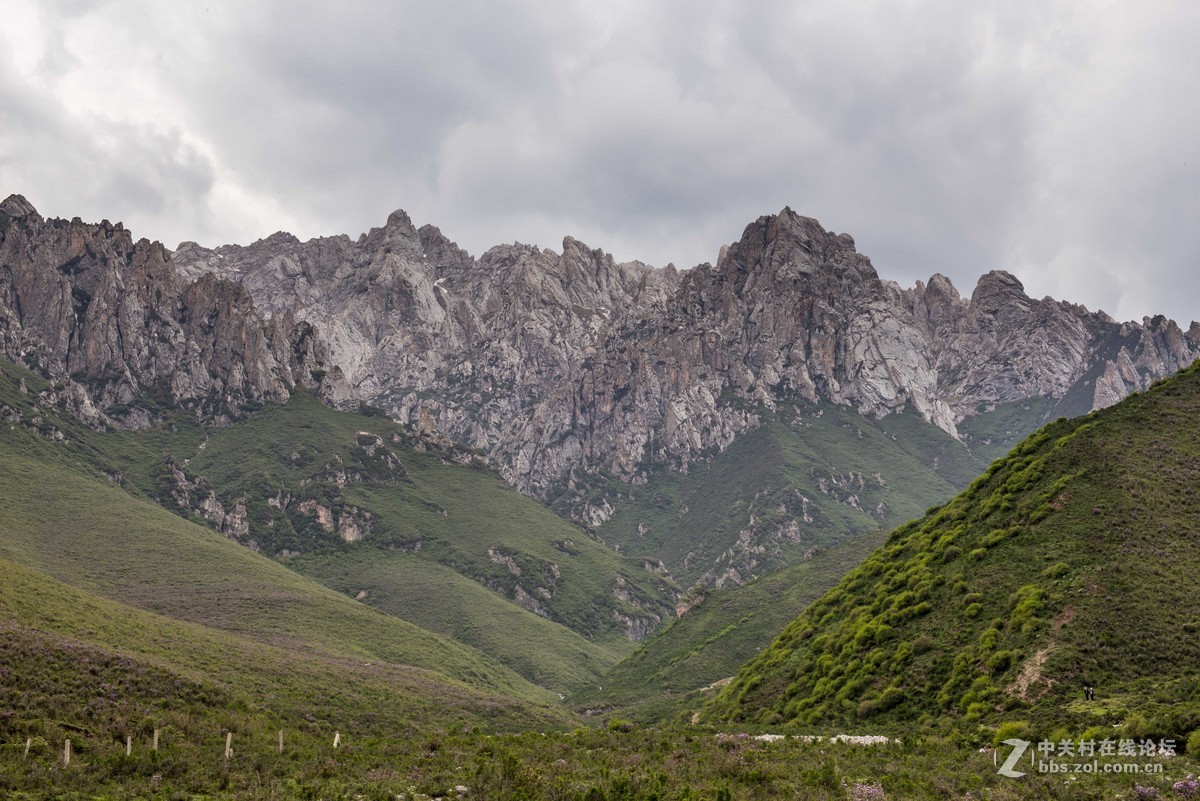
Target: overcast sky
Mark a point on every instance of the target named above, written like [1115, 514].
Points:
[1057, 141]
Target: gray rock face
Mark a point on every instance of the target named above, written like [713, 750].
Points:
[562, 364]
[114, 322]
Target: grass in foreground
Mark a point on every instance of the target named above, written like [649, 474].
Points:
[587, 764]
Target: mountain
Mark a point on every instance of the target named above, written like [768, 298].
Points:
[406, 524]
[421, 530]
[558, 362]
[1071, 562]
[617, 394]
[581, 378]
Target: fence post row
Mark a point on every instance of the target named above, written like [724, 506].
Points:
[337, 742]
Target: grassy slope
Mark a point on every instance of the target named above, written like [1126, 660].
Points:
[665, 676]
[92, 535]
[96, 666]
[1071, 561]
[438, 515]
[456, 512]
[412, 588]
[993, 434]
[775, 473]
[63, 519]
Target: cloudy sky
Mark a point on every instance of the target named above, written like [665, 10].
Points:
[1057, 140]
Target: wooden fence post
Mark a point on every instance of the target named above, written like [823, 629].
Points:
[28, 744]
[337, 738]
[281, 741]
[228, 745]
[128, 744]
[67, 752]
[155, 746]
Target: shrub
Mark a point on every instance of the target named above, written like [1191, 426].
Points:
[1193, 744]
[1013, 728]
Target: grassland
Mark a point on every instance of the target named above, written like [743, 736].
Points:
[586, 764]
[547, 653]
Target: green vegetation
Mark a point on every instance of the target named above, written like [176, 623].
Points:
[624, 762]
[834, 473]
[1071, 562]
[413, 506]
[992, 434]
[667, 676]
[406, 586]
[445, 543]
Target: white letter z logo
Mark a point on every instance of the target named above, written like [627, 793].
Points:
[1018, 751]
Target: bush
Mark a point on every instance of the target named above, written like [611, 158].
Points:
[1192, 747]
[1013, 728]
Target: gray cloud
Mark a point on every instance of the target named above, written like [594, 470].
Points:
[1053, 140]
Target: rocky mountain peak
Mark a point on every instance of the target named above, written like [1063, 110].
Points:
[996, 289]
[18, 206]
[399, 219]
[439, 249]
[787, 247]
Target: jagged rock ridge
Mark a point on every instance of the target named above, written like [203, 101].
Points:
[562, 364]
[113, 321]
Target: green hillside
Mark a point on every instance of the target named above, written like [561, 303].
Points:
[418, 506]
[445, 543]
[833, 472]
[402, 584]
[65, 518]
[93, 536]
[665, 677]
[1073, 561]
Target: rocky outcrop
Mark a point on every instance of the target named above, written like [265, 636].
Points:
[113, 320]
[558, 365]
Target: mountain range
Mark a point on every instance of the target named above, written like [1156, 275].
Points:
[612, 392]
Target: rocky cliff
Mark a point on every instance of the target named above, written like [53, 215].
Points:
[113, 322]
[564, 364]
